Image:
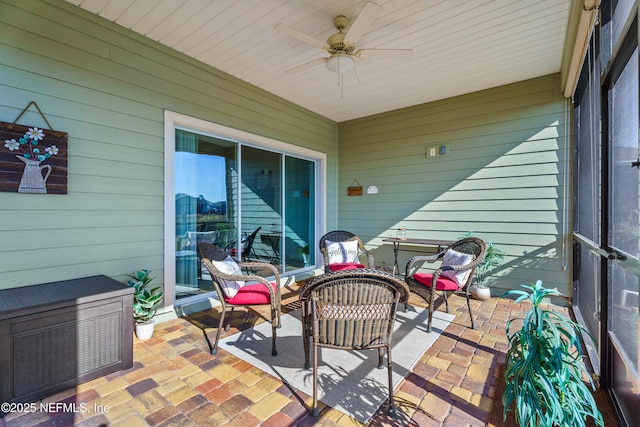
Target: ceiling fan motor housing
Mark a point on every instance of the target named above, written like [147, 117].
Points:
[336, 42]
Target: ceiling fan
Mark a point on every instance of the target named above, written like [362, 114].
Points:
[342, 46]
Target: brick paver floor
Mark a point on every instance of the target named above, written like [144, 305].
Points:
[175, 381]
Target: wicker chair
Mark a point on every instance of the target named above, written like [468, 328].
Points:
[350, 310]
[258, 291]
[340, 236]
[459, 262]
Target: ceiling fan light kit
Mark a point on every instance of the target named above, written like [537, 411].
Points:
[339, 63]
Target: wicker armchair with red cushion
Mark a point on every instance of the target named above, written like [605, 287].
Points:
[237, 289]
[458, 263]
[341, 250]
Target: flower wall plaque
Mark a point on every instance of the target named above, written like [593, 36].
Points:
[32, 160]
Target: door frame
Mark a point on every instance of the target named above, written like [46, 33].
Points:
[172, 120]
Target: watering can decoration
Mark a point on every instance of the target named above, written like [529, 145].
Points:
[32, 180]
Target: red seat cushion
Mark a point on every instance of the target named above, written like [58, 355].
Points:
[252, 294]
[345, 266]
[443, 283]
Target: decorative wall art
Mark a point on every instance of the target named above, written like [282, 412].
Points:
[355, 189]
[32, 160]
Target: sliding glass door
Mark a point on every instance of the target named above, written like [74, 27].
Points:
[257, 204]
[277, 206]
[261, 203]
[206, 182]
[299, 247]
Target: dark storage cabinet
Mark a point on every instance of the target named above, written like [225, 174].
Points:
[57, 335]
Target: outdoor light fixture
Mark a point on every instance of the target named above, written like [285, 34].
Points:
[340, 62]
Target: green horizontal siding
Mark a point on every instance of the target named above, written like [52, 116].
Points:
[504, 177]
[108, 87]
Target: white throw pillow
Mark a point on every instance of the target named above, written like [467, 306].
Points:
[342, 252]
[452, 257]
[229, 266]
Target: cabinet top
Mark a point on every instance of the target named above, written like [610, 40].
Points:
[59, 294]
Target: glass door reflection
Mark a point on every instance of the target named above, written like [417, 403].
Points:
[261, 202]
[205, 194]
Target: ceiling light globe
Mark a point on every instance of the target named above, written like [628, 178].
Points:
[340, 63]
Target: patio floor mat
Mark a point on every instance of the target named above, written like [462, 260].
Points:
[349, 381]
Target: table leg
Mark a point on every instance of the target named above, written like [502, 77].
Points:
[396, 248]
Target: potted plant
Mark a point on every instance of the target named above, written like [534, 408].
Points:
[544, 372]
[304, 252]
[145, 303]
[493, 258]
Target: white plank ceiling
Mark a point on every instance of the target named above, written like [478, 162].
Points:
[458, 46]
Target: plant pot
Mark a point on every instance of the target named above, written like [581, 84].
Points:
[481, 293]
[144, 331]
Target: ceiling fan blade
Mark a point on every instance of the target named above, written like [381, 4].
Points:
[363, 21]
[306, 66]
[301, 36]
[401, 54]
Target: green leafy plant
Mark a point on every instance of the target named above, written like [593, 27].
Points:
[544, 374]
[493, 258]
[304, 252]
[145, 301]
